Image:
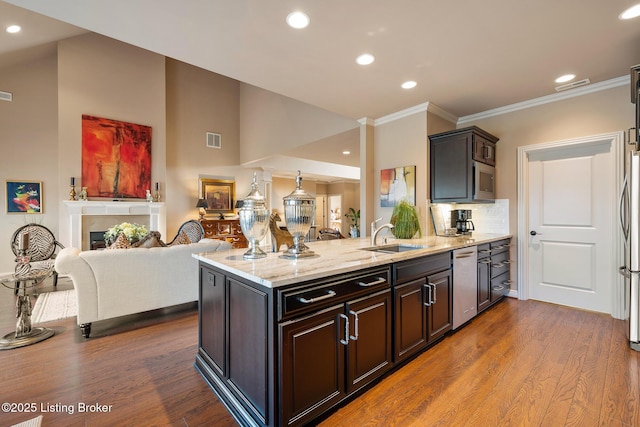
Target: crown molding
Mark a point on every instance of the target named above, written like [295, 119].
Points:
[433, 108]
[420, 108]
[366, 121]
[547, 99]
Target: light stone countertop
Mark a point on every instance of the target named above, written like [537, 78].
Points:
[332, 257]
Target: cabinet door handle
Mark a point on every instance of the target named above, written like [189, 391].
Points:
[485, 261]
[498, 265]
[355, 326]
[428, 302]
[435, 295]
[498, 288]
[345, 341]
[507, 282]
[329, 294]
[378, 281]
[485, 251]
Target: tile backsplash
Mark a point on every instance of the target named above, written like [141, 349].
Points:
[486, 217]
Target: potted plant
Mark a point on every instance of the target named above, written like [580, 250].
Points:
[354, 216]
[405, 221]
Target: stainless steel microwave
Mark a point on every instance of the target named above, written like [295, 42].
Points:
[483, 182]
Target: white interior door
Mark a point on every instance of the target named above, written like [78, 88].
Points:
[571, 222]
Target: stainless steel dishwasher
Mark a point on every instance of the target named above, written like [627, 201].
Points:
[465, 285]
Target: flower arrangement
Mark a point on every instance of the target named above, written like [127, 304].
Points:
[133, 232]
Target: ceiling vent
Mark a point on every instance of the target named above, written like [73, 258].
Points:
[214, 140]
[6, 96]
[572, 85]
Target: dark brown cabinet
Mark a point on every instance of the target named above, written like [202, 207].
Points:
[287, 355]
[233, 350]
[331, 353]
[440, 308]
[451, 157]
[212, 334]
[423, 301]
[225, 229]
[493, 273]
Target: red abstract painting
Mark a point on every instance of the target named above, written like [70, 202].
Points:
[116, 158]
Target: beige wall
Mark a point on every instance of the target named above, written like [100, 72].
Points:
[272, 124]
[401, 142]
[106, 78]
[199, 101]
[29, 144]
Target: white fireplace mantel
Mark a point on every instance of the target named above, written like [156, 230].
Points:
[77, 209]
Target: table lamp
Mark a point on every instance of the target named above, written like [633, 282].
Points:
[202, 205]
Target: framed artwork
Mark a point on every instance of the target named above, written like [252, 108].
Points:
[24, 197]
[219, 194]
[116, 158]
[397, 184]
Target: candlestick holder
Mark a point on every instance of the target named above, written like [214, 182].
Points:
[156, 196]
[72, 193]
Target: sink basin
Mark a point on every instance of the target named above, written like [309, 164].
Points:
[392, 249]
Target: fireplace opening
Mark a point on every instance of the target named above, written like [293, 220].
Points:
[96, 238]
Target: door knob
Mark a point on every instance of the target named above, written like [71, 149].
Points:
[535, 233]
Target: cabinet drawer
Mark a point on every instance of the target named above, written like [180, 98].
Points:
[500, 246]
[500, 286]
[484, 250]
[408, 270]
[499, 264]
[311, 298]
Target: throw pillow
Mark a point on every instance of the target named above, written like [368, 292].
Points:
[151, 240]
[181, 239]
[121, 242]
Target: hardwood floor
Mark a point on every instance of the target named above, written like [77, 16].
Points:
[520, 363]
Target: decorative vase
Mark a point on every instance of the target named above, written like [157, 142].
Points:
[299, 213]
[254, 220]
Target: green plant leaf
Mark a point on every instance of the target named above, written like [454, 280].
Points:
[405, 221]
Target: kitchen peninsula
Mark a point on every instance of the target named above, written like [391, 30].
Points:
[284, 341]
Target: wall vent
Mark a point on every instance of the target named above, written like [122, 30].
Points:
[573, 85]
[6, 96]
[214, 140]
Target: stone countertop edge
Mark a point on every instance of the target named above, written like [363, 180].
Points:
[332, 257]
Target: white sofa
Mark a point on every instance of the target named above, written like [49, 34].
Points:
[117, 282]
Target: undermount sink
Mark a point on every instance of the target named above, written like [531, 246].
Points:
[392, 249]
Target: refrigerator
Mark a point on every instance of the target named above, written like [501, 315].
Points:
[630, 220]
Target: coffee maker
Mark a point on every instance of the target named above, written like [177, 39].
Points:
[461, 221]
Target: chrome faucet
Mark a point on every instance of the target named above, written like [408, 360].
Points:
[375, 231]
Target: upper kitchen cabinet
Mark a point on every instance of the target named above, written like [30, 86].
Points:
[462, 166]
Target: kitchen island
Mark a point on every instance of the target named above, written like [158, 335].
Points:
[283, 341]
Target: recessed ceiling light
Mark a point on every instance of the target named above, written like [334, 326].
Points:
[365, 59]
[346, 152]
[298, 20]
[565, 78]
[632, 12]
[409, 85]
[13, 29]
